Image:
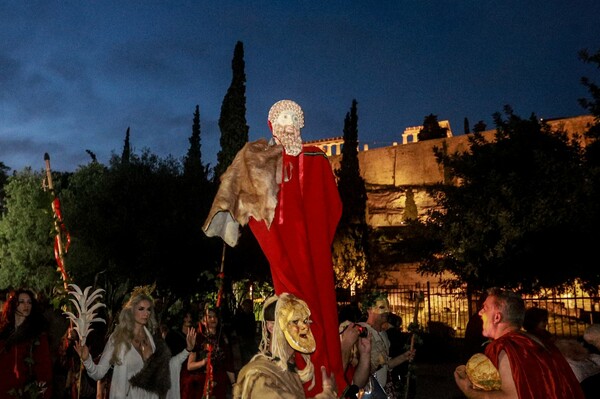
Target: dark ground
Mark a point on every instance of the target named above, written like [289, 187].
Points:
[436, 381]
[437, 357]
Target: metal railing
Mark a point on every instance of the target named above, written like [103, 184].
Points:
[570, 313]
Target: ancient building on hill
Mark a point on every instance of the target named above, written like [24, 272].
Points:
[396, 177]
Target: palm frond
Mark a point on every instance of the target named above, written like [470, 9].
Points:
[86, 310]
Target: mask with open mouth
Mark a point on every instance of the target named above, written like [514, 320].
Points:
[293, 317]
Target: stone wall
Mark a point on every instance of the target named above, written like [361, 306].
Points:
[396, 176]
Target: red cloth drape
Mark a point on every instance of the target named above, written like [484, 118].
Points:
[539, 371]
[298, 248]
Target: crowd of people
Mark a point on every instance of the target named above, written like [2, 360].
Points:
[195, 357]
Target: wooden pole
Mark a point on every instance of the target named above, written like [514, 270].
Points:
[59, 247]
[414, 327]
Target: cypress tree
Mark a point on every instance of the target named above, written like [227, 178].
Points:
[350, 255]
[192, 163]
[232, 121]
[350, 184]
[126, 149]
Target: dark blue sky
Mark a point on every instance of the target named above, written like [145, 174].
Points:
[75, 74]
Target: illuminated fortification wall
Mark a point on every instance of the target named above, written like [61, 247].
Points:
[397, 175]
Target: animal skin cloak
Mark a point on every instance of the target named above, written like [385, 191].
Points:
[538, 371]
[296, 234]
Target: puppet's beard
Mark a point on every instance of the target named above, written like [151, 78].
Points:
[289, 138]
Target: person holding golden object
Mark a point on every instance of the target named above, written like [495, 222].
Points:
[529, 367]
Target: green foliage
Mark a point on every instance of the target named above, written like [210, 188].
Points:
[516, 212]
[131, 222]
[26, 235]
[3, 180]
[350, 248]
[349, 258]
[232, 121]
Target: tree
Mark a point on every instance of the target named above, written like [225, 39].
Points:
[126, 148]
[514, 214]
[592, 157]
[593, 106]
[197, 194]
[432, 129]
[479, 127]
[129, 223]
[3, 180]
[192, 163]
[26, 233]
[195, 175]
[349, 253]
[466, 126]
[350, 183]
[232, 121]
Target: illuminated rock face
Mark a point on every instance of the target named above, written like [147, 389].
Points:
[396, 176]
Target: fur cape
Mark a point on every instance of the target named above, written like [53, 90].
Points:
[248, 188]
[155, 376]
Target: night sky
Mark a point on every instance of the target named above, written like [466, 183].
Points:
[74, 75]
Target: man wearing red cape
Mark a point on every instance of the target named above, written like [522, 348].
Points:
[287, 194]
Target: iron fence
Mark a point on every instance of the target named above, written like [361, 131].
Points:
[447, 310]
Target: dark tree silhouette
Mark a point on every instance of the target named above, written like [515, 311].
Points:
[193, 168]
[466, 125]
[126, 149]
[479, 127]
[432, 129]
[350, 183]
[350, 254]
[232, 121]
[3, 179]
[92, 155]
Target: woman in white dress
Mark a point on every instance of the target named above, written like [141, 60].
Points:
[142, 364]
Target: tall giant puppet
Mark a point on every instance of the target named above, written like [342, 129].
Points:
[287, 194]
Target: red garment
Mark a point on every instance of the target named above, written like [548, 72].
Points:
[539, 371]
[298, 247]
[192, 382]
[15, 373]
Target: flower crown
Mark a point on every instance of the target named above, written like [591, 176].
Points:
[145, 290]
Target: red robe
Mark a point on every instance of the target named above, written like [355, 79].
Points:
[298, 247]
[539, 372]
[15, 369]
